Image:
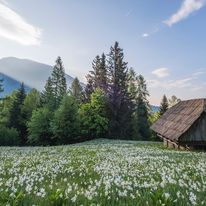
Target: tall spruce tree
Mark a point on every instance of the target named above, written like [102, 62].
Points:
[97, 78]
[47, 96]
[76, 90]
[132, 86]
[141, 127]
[58, 80]
[102, 74]
[120, 103]
[173, 101]
[164, 105]
[16, 116]
[55, 88]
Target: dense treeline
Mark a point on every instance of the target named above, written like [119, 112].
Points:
[113, 104]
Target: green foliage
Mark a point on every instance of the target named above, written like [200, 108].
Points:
[55, 88]
[141, 126]
[58, 82]
[120, 102]
[16, 116]
[47, 96]
[39, 127]
[76, 90]
[173, 101]
[65, 124]
[97, 78]
[163, 105]
[93, 116]
[152, 119]
[132, 88]
[9, 137]
[30, 104]
[5, 108]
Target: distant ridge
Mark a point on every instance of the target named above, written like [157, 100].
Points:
[32, 73]
[10, 85]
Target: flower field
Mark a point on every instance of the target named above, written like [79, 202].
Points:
[102, 172]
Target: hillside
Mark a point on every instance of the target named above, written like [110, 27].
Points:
[10, 84]
[33, 74]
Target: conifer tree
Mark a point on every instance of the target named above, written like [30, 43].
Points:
[16, 116]
[141, 127]
[58, 81]
[65, 124]
[173, 101]
[76, 90]
[102, 74]
[55, 88]
[31, 103]
[132, 86]
[97, 78]
[120, 103]
[47, 96]
[163, 105]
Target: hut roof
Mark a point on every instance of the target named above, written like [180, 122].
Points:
[179, 118]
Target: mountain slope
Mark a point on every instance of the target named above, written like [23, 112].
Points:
[10, 85]
[33, 74]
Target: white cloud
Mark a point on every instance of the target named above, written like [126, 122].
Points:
[180, 83]
[161, 72]
[145, 35]
[14, 27]
[198, 73]
[187, 7]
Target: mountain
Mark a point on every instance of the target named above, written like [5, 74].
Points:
[33, 74]
[10, 85]
[154, 108]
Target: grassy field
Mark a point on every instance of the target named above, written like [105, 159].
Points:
[102, 172]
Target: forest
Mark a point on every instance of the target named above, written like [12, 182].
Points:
[113, 104]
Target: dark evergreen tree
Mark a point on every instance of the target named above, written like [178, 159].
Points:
[47, 96]
[58, 80]
[120, 104]
[65, 124]
[76, 90]
[101, 80]
[31, 103]
[141, 126]
[132, 86]
[97, 78]
[164, 105]
[16, 116]
[55, 88]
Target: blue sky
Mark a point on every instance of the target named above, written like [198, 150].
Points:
[163, 40]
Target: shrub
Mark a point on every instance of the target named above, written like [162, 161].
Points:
[39, 127]
[9, 137]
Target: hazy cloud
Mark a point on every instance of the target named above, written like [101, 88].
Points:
[14, 27]
[145, 35]
[180, 83]
[161, 72]
[187, 7]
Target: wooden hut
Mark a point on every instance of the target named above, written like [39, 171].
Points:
[183, 125]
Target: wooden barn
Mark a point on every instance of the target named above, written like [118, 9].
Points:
[184, 125]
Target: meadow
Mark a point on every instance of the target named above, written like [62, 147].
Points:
[102, 172]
